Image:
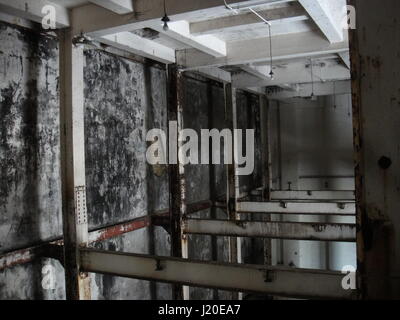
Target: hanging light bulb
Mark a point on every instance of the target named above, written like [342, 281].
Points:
[271, 75]
[165, 19]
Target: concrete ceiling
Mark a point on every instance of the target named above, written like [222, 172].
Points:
[208, 37]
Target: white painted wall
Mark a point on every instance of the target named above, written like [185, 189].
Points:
[313, 150]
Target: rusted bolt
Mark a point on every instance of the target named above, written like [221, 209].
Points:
[269, 276]
[241, 224]
[158, 265]
[384, 163]
[283, 204]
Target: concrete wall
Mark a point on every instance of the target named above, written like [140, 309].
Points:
[123, 98]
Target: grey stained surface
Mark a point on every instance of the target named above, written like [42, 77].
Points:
[123, 99]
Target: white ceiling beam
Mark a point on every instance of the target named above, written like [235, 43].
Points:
[306, 44]
[32, 10]
[293, 74]
[135, 44]
[117, 6]
[216, 74]
[261, 72]
[305, 90]
[321, 11]
[180, 31]
[345, 58]
[97, 21]
[248, 20]
[220, 75]
[254, 90]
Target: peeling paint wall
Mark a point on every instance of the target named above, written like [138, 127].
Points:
[375, 55]
[123, 99]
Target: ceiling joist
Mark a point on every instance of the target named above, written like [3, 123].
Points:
[295, 73]
[306, 44]
[305, 90]
[135, 44]
[180, 31]
[117, 6]
[248, 20]
[321, 12]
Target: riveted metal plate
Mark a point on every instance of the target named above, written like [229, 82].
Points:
[80, 204]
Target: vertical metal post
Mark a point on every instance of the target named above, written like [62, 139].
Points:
[212, 178]
[177, 186]
[375, 78]
[232, 192]
[266, 167]
[74, 212]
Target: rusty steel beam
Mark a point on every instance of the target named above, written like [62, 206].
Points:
[275, 230]
[159, 218]
[28, 255]
[22, 256]
[288, 282]
[119, 229]
[177, 185]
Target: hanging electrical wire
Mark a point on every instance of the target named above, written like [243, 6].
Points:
[271, 74]
[230, 8]
[312, 79]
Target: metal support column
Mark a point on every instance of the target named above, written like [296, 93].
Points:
[266, 168]
[232, 192]
[75, 225]
[212, 178]
[177, 188]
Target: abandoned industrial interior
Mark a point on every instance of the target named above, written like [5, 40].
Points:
[199, 149]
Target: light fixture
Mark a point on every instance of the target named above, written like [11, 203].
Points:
[271, 74]
[165, 19]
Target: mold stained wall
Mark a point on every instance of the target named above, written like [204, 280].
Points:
[118, 109]
[205, 108]
[123, 99]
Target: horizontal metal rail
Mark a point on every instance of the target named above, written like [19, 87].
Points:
[306, 208]
[45, 249]
[290, 282]
[277, 230]
[328, 195]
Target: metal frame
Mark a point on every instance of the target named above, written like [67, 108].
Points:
[73, 178]
[310, 195]
[300, 283]
[78, 260]
[304, 208]
[277, 230]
